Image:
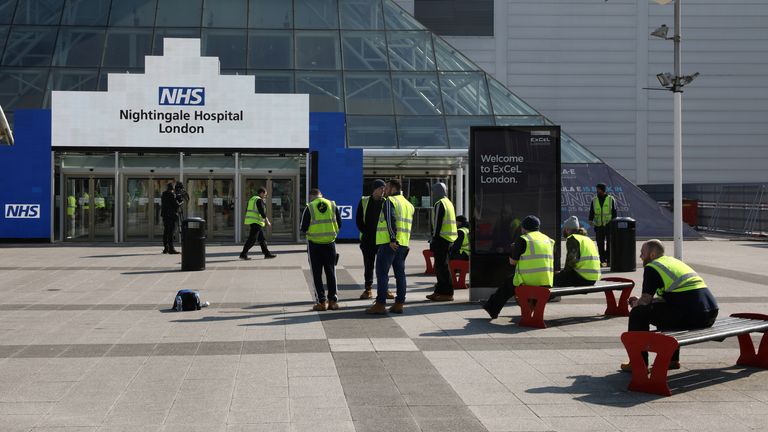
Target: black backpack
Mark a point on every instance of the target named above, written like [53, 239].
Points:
[186, 300]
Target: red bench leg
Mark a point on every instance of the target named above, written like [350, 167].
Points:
[459, 270]
[532, 317]
[620, 308]
[428, 256]
[635, 342]
[750, 357]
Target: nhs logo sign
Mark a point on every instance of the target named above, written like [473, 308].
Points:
[181, 96]
[345, 212]
[22, 211]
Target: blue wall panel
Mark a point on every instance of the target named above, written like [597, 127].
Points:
[340, 170]
[25, 178]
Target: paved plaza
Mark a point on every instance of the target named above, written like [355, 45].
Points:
[87, 343]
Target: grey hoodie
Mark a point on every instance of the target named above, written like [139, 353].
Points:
[439, 191]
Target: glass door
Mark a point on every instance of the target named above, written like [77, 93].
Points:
[250, 188]
[103, 193]
[158, 187]
[213, 199]
[89, 208]
[138, 210]
[77, 208]
[283, 214]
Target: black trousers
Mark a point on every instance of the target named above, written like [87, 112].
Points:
[369, 262]
[169, 225]
[667, 317]
[568, 278]
[322, 258]
[255, 235]
[440, 247]
[603, 240]
[497, 300]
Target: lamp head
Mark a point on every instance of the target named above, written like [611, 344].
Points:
[661, 32]
[665, 79]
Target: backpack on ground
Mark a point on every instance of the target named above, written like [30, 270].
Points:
[186, 300]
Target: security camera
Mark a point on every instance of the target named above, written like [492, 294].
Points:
[6, 136]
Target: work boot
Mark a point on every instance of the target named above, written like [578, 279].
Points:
[244, 258]
[441, 297]
[390, 295]
[173, 251]
[377, 309]
[270, 256]
[432, 296]
[319, 307]
[266, 252]
[396, 308]
[487, 309]
[366, 294]
[165, 250]
[333, 305]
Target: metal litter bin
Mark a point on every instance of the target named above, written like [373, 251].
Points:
[193, 244]
[622, 244]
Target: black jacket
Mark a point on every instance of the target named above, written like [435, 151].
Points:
[168, 205]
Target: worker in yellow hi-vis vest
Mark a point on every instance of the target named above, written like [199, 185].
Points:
[601, 213]
[256, 218]
[321, 221]
[443, 235]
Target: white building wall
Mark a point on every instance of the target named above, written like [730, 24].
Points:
[585, 63]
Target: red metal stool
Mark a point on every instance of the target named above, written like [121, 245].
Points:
[459, 271]
[429, 257]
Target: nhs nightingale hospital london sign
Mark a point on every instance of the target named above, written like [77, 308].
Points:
[181, 101]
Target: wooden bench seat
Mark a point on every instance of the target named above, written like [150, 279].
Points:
[533, 299]
[665, 343]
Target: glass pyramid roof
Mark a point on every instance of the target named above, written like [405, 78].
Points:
[400, 85]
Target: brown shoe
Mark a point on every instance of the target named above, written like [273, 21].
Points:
[390, 295]
[396, 308]
[377, 309]
[441, 298]
[332, 305]
[366, 294]
[320, 307]
[432, 296]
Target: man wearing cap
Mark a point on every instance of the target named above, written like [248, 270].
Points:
[582, 261]
[443, 235]
[601, 213]
[460, 249]
[367, 220]
[533, 259]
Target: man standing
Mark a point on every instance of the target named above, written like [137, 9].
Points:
[321, 221]
[367, 220]
[602, 211]
[256, 217]
[443, 236]
[683, 301]
[533, 259]
[169, 208]
[582, 261]
[392, 237]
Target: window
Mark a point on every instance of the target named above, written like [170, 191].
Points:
[29, 46]
[133, 13]
[456, 17]
[85, 12]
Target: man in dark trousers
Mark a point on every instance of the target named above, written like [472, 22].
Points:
[367, 219]
[256, 218]
[682, 302]
[443, 235]
[168, 211]
[321, 221]
[602, 211]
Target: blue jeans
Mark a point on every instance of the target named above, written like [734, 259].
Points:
[386, 258]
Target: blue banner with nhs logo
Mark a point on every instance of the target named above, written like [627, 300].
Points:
[25, 178]
[181, 96]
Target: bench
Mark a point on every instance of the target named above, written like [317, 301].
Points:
[665, 343]
[459, 270]
[533, 299]
[429, 257]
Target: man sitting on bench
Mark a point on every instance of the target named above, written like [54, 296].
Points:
[533, 259]
[683, 300]
[460, 248]
[582, 261]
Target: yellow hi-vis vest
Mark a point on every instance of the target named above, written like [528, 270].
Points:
[403, 215]
[86, 201]
[536, 264]
[588, 264]
[448, 227]
[71, 205]
[364, 204]
[602, 214]
[464, 243]
[676, 275]
[252, 215]
[323, 228]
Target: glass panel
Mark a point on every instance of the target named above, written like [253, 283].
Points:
[270, 49]
[88, 161]
[197, 206]
[77, 208]
[317, 50]
[273, 82]
[3, 38]
[162, 33]
[133, 13]
[209, 162]
[104, 76]
[283, 216]
[225, 13]
[73, 79]
[572, 152]
[7, 8]
[450, 59]
[85, 12]
[270, 14]
[368, 93]
[519, 120]
[30, 46]
[227, 45]
[361, 14]
[138, 206]
[38, 12]
[411, 51]
[324, 89]
[371, 132]
[222, 223]
[416, 93]
[419, 132]
[464, 93]
[179, 13]
[458, 128]
[364, 50]
[398, 19]
[505, 102]
[156, 162]
[79, 47]
[23, 88]
[316, 14]
[104, 208]
[456, 17]
[127, 47]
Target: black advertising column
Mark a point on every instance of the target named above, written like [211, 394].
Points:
[513, 172]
